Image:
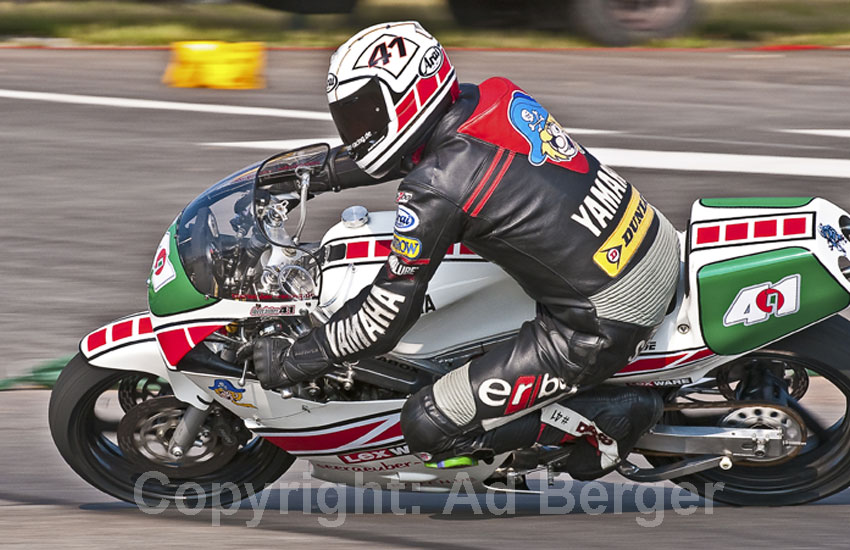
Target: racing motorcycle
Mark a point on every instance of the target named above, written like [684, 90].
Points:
[749, 353]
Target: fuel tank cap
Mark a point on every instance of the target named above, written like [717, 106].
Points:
[355, 216]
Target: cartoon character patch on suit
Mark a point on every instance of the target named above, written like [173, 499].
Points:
[547, 138]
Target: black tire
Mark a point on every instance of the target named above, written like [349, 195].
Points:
[76, 431]
[628, 22]
[822, 468]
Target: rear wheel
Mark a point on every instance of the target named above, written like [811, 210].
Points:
[786, 370]
[112, 427]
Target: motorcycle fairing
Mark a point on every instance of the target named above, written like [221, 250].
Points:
[741, 251]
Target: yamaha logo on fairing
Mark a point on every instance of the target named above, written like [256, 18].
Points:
[431, 62]
[405, 220]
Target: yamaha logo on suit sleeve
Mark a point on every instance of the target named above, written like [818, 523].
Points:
[406, 220]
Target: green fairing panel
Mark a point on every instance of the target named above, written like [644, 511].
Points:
[757, 202]
[178, 295]
[748, 302]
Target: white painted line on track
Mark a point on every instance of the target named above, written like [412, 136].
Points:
[820, 132]
[283, 144]
[275, 145]
[628, 158]
[129, 103]
[721, 162]
[653, 160]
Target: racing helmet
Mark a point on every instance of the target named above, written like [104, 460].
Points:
[388, 87]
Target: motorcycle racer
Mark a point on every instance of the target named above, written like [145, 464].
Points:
[489, 167]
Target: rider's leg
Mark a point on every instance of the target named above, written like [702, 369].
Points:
[548, 358]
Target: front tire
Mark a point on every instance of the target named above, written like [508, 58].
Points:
[822, 468]
[83, 435]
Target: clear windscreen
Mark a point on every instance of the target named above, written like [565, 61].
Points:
[225, 256]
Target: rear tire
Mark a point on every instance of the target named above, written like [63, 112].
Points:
[822, 468]
[80, 436]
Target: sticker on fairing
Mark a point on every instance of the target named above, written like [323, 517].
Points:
[162, 271]
[226, 390]
[755, 304]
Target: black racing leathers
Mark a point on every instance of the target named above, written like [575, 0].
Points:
[501, 176]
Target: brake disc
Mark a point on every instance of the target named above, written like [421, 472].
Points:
[145, 432]
[136, 388]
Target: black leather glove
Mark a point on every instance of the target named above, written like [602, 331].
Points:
[277, 364]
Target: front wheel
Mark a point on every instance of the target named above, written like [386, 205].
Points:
[89, 414]
[811, 371]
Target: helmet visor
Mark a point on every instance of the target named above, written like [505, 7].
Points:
[361, 118]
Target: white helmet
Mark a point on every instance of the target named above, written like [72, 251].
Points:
[388, 86]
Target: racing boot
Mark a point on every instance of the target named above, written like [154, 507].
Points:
[603, 425]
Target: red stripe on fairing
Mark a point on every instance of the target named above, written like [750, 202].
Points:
[465, 251]
[323, 442]
[794, 226]
[651, 363]
[174, 345]
[199, 334]
[122, 330]
[96, 339]
[737, 231]
[707, 235]
[393, 432]
[765, 228]
[657, 363]
[145, 325]
[495, 183]
[359, 249]
[484, 179]
[382, 248]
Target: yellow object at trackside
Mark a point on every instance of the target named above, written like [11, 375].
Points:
[214, 64]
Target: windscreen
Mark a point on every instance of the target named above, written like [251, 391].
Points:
[217, 240]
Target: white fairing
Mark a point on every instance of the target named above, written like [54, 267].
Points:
[474, 299]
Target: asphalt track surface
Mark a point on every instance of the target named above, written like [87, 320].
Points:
[87, 191]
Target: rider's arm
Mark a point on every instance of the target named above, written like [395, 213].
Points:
[374, 321]
[343, 173]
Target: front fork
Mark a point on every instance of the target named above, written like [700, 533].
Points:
[187, 430]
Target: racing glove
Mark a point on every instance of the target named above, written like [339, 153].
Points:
[277, 364]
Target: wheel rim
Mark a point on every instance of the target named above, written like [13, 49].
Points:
[818, 466]
[117, 473]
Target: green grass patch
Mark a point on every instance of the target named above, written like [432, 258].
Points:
[724, 23]
[42, 376]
